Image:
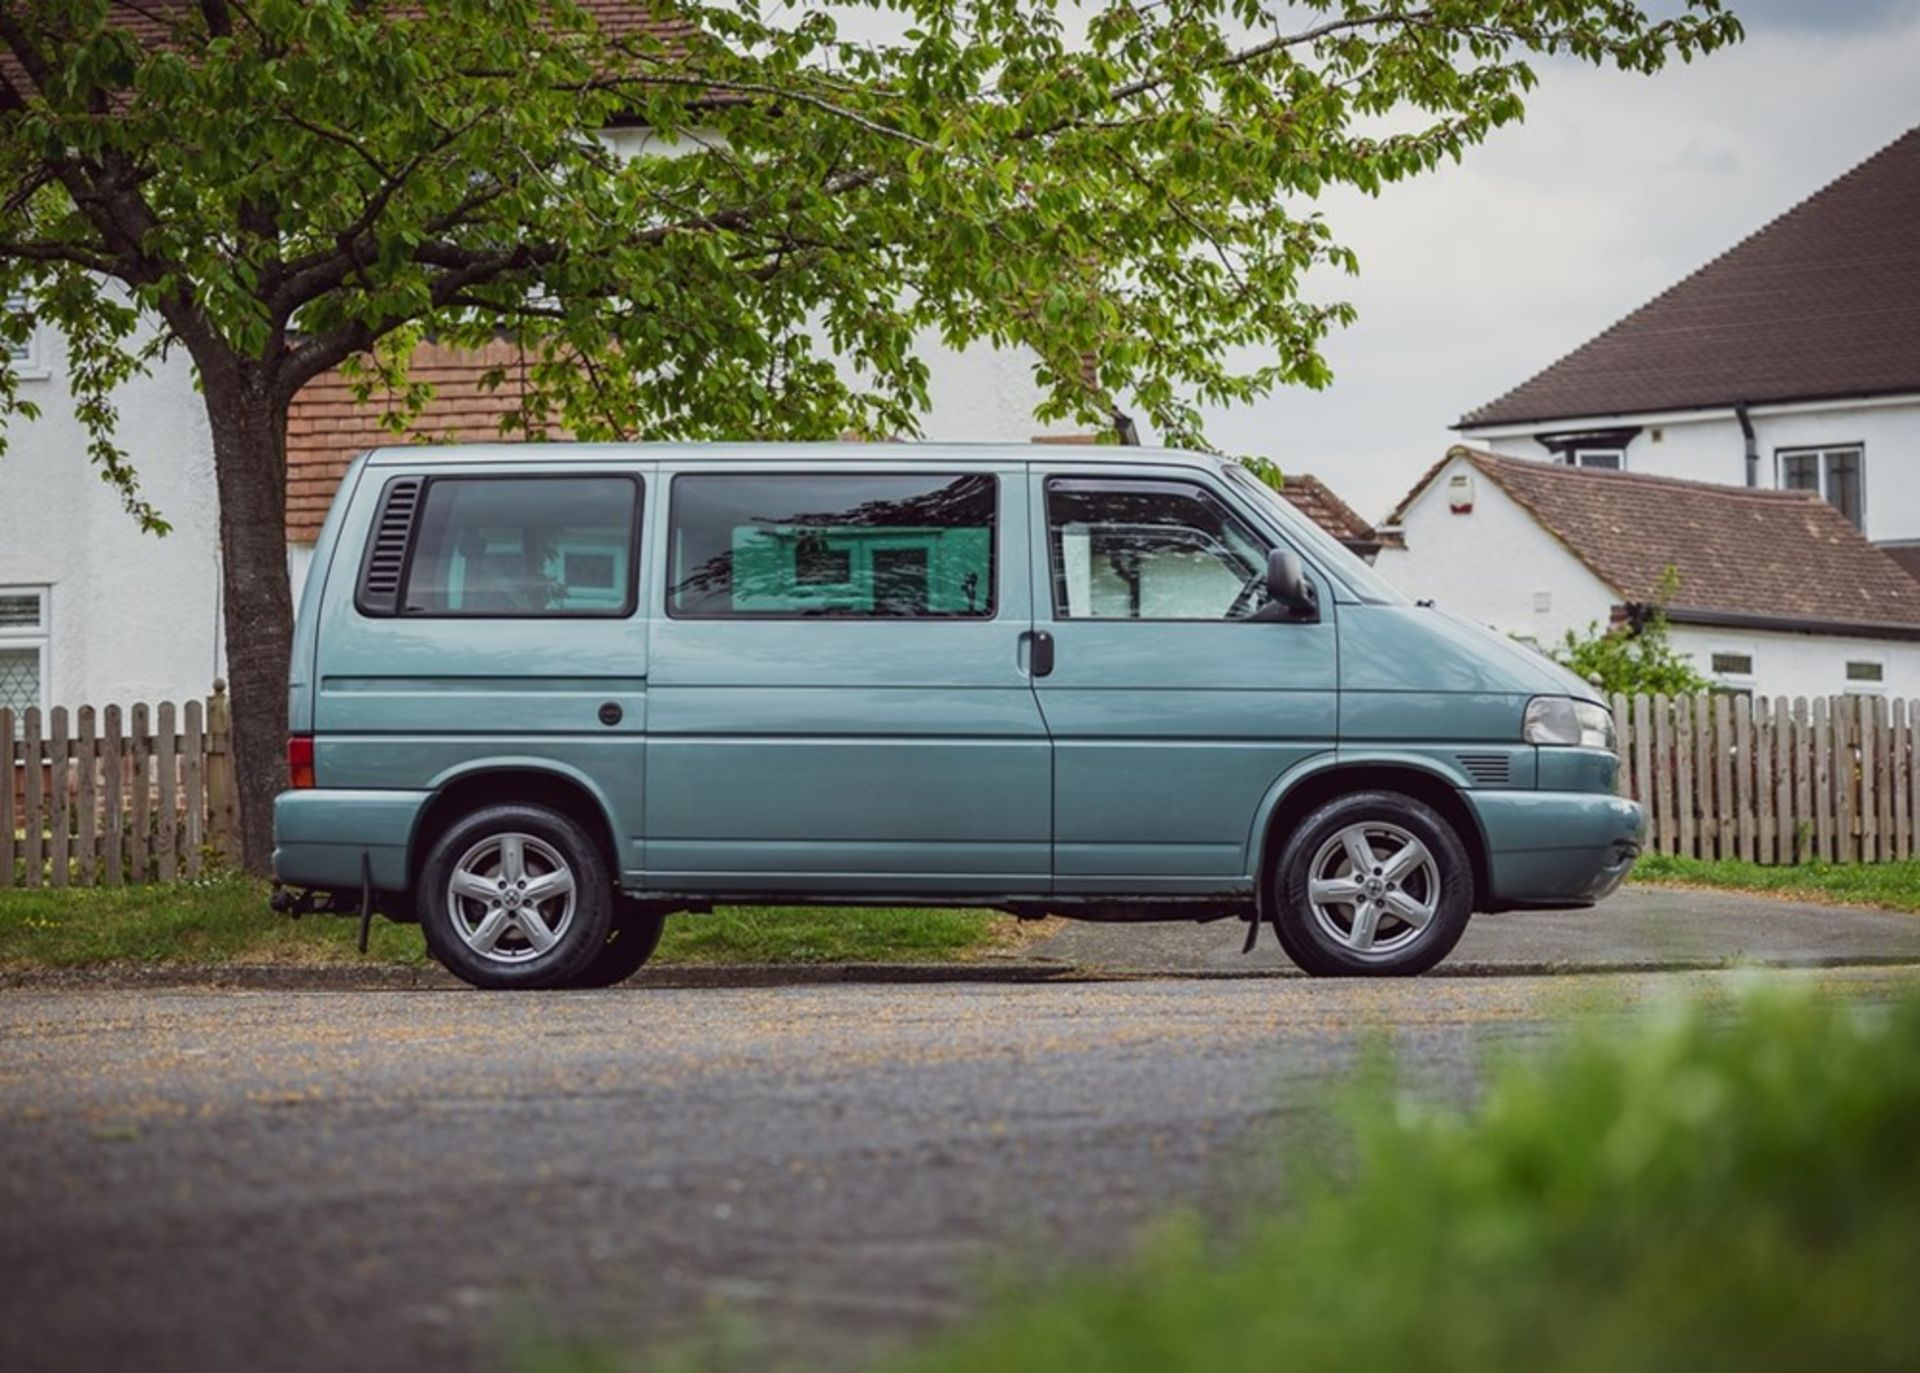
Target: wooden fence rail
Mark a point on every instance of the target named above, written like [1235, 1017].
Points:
[100, 798]
[1772, 780]
[106, 797]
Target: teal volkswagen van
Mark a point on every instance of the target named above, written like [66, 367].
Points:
[544, 697]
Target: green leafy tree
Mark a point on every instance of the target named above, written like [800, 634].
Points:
[280, 187]
[1637, 657]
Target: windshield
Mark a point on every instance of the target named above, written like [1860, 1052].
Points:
[1338, 560]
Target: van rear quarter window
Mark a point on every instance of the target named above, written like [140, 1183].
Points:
[855, 545]
[505, 547]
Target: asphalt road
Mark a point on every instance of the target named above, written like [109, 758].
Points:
[414, 1180]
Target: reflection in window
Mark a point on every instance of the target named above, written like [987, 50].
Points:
[521, 546]
[1150, 551]
[880, 545]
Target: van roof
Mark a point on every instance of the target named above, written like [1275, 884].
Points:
[849, 451]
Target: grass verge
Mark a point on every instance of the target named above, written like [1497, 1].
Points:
[1890, 886]
[225, 920]
[1705, 1187]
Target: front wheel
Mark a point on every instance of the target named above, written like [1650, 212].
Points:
[1374, 884]
[515, 896]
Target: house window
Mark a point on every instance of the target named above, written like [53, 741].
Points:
[1612, 459]
[23, 352]
[1836, 473]
[1866, 674]
[23, 647]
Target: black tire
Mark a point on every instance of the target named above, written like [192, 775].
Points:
[1380, 944]
[636, 934]
[479, 844]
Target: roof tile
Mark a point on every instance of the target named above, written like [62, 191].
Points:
[1821, 303]
[1785, 555]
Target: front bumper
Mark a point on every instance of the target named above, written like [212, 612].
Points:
[320, 835]
[1555, 848]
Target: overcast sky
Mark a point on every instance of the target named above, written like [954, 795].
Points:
[1616, 186]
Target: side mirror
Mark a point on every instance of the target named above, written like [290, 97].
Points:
[1288, 587]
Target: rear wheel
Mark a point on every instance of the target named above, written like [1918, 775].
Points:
[1374, 884]
[636, 934]
[515, 896]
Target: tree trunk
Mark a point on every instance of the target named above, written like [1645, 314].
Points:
[250, 464]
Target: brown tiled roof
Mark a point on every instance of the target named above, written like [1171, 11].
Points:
[1823, 302]
[1773, 555]
[1315, 499]
[327, 428]
[1907, 555]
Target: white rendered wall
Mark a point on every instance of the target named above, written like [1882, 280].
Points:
[1803, 664]
[1707, 445]
[1495, 565]
[133, 617]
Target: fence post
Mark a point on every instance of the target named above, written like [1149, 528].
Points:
[1897, 778]
[1869, 736]
[166, 836]
[1846, 772]
[1883, 770]
[60, 804]
[222, 821]
[193, 760]
[1743, 777]
[87, 860]
[1663, 761]
[1623, 744]
[6, 797]
[140, 750]
[113, 777]
[1642, 767]
[33, 816]
[1683, 743]
[1766, 719]
[1802, 840]
[1913, 775]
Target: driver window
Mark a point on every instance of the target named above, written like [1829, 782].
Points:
[1149, 550]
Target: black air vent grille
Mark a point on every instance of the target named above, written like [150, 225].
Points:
[387, 554]
[1488, 769]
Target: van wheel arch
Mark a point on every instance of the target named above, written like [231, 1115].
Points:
[468, 793]
[1316, 791]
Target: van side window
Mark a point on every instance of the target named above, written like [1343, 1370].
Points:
[858, 545]
[1149, 550]
[516, 547]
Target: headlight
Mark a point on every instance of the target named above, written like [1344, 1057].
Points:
[1569, 723]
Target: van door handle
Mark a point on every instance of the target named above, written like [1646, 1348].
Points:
[1039, 652]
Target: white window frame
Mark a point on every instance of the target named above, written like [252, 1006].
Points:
[1820, 452]
[1733, 681]
[1577, 457]
[31, 363]
[1854, 687]
[39, 637]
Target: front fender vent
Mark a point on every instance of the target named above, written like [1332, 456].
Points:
[1488, 769]
[387, 551]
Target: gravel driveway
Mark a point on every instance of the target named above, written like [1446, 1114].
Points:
[412, 1180]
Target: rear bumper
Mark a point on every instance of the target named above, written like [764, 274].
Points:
[320, 835]
[1555, 848]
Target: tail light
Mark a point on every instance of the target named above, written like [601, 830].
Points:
[299, 760]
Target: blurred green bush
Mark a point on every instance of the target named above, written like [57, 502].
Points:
[1699, 1188]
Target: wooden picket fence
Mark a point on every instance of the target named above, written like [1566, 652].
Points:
[100, 798]
[1773, 780]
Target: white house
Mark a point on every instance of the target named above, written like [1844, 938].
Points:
[1790, 361]
[1776, 593]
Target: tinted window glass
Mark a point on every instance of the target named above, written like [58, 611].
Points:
[1160, 551]
[515, 546]
[865, 546]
